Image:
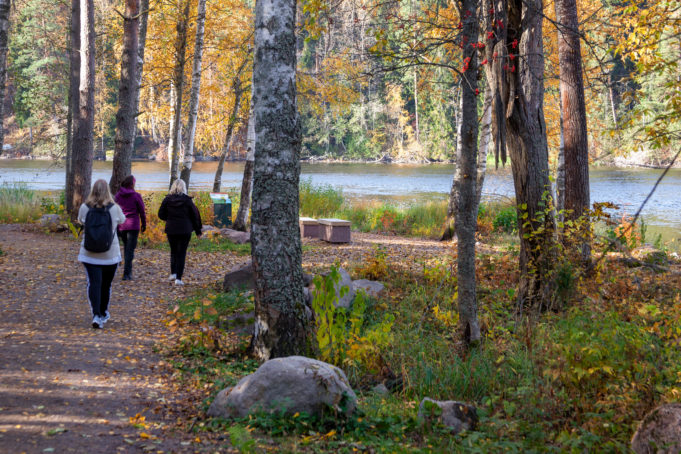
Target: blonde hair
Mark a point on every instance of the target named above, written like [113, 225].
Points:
[99, 196]
[178, 187]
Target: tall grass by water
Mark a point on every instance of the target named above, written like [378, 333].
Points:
[18, 204]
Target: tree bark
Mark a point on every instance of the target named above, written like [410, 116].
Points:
[241, 219]
[281, 316]
[127, 111]
[560, 172]
[452, 206]
[466, 165]
[178, 83]
[74, 103]
[515, 71]
[577, 197]
[194, 96]
[83, 134]
[4, 31]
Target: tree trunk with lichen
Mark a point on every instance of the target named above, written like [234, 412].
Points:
[515, 71]
[282, 318]
[178, 84]
[241, 219]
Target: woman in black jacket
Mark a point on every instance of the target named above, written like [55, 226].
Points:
[181, 216]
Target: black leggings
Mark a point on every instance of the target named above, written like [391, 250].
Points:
[129, 238]
[178, 253]
[99, 279]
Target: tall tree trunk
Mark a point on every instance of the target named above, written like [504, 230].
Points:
[281, 316]
[560, 171]
[83, 134]
[466, 164]
[577, 199]
[194, 96]
[238, 91]
[127, 111]
[452, 209]
[4, 31]
[172, 131]
[241, 219]
[178, 82]
[74, 103]
[141, 45]
[483, 148]
[515, 70]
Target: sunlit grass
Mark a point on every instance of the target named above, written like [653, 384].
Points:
[18, 204]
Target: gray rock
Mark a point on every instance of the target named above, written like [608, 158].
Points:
[241, 278]
[371, 288]
[236, 236]
[292, 384]
[208, 228]
[52, 222]
[345, 281]
[381, 390]
[456, 415]
[659, 432]
[307, 279]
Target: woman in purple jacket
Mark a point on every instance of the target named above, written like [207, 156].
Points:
[133, 206]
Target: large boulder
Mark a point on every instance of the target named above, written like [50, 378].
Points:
[345, 281]
[292, 384]
[371, 288]
[457, 416]
[243, 278]
[659, 432]
[236, 236]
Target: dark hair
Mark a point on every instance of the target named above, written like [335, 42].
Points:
[128, 182]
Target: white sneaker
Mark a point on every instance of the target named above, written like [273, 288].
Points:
[178, 282]
[106, 317]
[172, 277]
[97, 322]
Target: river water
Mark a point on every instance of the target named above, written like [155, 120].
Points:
[401, 184]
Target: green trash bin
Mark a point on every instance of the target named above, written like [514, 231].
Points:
[222, 209]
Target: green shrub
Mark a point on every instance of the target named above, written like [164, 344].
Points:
[319, 201]
[506, 220]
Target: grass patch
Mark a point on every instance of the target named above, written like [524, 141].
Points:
[211, 244]
[18, 204]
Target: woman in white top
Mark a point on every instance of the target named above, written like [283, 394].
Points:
[100, 266]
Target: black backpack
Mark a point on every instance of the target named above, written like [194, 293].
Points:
[98, 231]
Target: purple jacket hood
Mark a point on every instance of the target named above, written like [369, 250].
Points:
[132, 205]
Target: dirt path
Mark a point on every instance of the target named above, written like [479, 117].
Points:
[65, 387]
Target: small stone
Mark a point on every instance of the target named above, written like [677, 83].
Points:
[236, 236]
[371, 288]
[381, 390]
[242, 278]
[659, 432]
[458, 416]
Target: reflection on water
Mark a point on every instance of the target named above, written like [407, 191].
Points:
[404, 183]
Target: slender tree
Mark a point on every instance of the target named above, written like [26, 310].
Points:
[281, 316]
[515, 71]
[241, 219]
[178, 84]
[483, 147]
[452, 205]
[238, 90]
[127, 111]
[73, 100]
[466, 164]
[4, 31]
[83, 133]
[573, 116]
[194, 96]
[142, 42]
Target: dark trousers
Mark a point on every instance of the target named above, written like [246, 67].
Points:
[129, 238]
[178, 252]
[99, 278]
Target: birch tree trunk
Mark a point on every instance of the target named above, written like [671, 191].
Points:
[577, 194]
[83, 134]
[281, 316]
[241, 219]
[178, 82]
[194, 96]
[74, 102]
[452, 206]
[127, 111]
[4, 31]
[172, 131]
[560, 172]
[466, 165]
[515, 70]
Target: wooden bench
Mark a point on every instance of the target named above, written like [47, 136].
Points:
[309, 227]
[334, 230]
